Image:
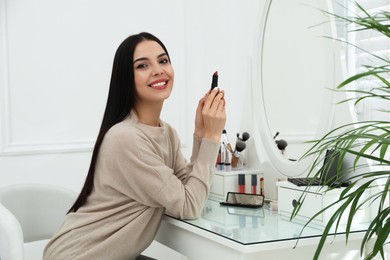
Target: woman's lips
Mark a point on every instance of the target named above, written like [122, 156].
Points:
[161, 84]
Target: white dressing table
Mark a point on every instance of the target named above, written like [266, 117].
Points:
[239, 233]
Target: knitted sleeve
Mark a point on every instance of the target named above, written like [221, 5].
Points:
[142, 168]
[181, 166]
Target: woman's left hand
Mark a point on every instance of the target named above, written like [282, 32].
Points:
[199, 125]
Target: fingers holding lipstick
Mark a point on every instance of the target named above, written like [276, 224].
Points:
[219, 101]
[199, 125]
[216, 94]
[214, 114]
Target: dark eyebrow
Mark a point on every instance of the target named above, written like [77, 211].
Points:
[144, 58]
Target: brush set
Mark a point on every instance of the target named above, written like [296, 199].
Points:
[229, 157]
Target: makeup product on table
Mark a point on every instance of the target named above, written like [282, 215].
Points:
[254, 184]
[214, 82]
[241, 183]
[228, 156]
[221, 157]
[243, 200]
[262, 186]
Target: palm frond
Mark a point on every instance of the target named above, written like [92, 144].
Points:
[363, 141]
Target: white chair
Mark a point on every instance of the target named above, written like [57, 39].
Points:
[29, 215]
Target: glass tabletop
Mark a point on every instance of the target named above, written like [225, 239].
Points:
[253, 226]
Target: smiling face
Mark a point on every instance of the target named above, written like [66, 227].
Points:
[153, 73]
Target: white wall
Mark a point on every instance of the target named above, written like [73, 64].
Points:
[55, 65]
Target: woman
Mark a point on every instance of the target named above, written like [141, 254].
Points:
[137, 170]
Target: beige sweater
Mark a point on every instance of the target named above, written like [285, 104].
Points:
[140, 173]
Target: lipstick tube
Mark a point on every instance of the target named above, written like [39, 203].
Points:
[262, 186]
[254, 184]
[227, 160]
[221, 157]
[241, 183]
[214, 82]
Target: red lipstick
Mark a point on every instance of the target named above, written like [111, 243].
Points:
[241, 183]
[254, 183]
[262, 186]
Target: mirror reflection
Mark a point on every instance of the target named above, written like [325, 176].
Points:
[294, 88]
[258, 213]
[244, 199]
[294, 85]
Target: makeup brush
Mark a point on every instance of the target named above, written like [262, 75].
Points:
[245, 136]
[225, 141]
[240, 146]
[238, 137]
[281, 144]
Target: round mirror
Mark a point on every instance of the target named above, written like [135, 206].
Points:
[295, 69]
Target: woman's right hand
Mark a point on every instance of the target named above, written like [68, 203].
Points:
[214, 114]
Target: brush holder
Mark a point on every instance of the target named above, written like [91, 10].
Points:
[237, 163]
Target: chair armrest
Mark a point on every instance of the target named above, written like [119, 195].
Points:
[11, 236]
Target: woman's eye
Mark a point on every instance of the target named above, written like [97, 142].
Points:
[141, 66]
[164, 61]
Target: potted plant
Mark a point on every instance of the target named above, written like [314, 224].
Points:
[367, 140]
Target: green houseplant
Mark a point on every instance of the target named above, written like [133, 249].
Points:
[369, 141]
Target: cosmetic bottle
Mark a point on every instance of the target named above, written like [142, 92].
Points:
[227, 164]
[254, 184]
[241, 183]
[221, 158]
[262, 186]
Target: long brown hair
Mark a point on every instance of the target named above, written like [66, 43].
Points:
[120, 101]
